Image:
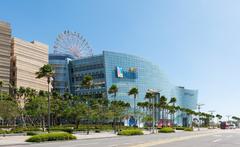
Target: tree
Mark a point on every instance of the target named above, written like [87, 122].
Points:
[163, 105]
[47, 72]
[219, 116]
[121, 108]
[37, 109]
[149, 96]
[76, 109]
[134, 92]
[173, 101]
[113, 90]
[21, 101]
[9, 111]
[87, 83]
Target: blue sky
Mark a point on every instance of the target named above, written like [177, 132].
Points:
[196, 42]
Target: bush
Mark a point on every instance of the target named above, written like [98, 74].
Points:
[3, 131]
[31, 133]
[63, 129]
[51, 137]
[180, 128]
[188, 129]
[97, 131]
[25, 129]
[131, 132]
[166, 130]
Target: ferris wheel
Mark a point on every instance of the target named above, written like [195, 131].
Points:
[72, 43]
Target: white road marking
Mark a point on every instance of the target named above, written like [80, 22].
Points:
[217, 140]
[218, 135]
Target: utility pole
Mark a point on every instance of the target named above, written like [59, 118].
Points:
[199, 108]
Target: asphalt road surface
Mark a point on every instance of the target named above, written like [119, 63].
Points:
[212, 138]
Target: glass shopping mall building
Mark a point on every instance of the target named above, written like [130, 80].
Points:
[124, 70]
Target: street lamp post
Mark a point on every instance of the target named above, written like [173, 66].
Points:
[199, 107]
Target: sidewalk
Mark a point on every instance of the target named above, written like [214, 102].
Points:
[20, 140]
[13, 140]
[92, 135]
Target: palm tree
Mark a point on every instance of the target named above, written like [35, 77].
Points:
[1, 86]
[134, 92]
[113, 90]
[149, 96]
[173, 101]
[163, 104]
[47, 72]
[87, 83]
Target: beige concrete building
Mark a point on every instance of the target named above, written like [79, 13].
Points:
[26, 59]
[5, 50]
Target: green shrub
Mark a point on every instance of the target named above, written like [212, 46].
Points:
[130, 132]
[188, 129]
[97, 131]
[63, 129]
[31, 133]
[51, 137]
[180, 128]
[3, 131]
[94, 127]
[166, 130]
[24, 129]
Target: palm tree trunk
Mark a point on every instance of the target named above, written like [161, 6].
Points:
[134, 107]
[114, 115]
[48, 106]
[23, 119]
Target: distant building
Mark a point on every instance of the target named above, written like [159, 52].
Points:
[5, 49]
[60, 63]
[26, 59]
[186, 98]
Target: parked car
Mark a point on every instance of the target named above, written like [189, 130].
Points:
[232, 126]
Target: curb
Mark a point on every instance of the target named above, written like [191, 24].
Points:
[25, 143]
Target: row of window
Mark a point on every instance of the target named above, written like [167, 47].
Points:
[94, 75]
[87, 67]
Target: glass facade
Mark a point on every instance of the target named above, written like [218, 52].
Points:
[186, 98]
[125, 71]
[60, 63]
[136, 72]
[93, 66]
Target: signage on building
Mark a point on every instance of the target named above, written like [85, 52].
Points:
[119, 72]
[130, 74]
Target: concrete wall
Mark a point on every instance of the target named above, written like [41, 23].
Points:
[5, 49]
[27, 58]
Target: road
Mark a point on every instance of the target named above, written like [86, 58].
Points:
[212, 138]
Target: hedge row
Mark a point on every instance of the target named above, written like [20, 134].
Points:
[130, 132]
[166, 130]
[51, 137]
[188, 129]
[19, 130]
[62, 129]
[180, 128]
